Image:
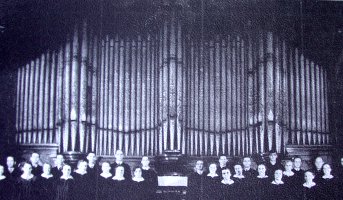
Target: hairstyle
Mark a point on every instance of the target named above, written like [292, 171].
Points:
[79, 162]
[22, 164]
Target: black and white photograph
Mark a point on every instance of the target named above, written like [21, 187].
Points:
[171, 99]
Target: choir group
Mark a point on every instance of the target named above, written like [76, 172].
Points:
[89, 181]
[32, 180]
[271, 180]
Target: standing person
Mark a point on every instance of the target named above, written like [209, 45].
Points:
[318, 172]
[59, 163]
[223, 164]
[273, 163]
[310, 188]
[11, 171]
[139, 186]
[82, 189]
[65, 185]
[290, 179]
[196, 182]
[277, 188]
[241, 181]
[92, 171]
[149, 175]
[6, 187]
[248, 172]
[298, 172]
[119, 155]
[26, 188]
[262, 182]
[328, 184]
[212, 183]
[120, 185]
[104, 182]
[45, 183]
[35, 162]
[228, 189]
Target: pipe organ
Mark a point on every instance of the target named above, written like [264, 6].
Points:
[236, 93]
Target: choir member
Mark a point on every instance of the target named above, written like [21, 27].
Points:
[223, 164]
[298, 172]
[92, 171]
[310, 188]
[273, 163]
[119, 155]
[83, 181]
[26, 188]
[65, 185]
[242, 182]
[328, 184]
[262, 182]
[196, 182]
[228, 187]
[248, 172]
[11, 171]
[35, 162]
[238, 176]
[277, 188]
[104, 181]
[339, 171]
[59, 163]
[120, 185]
[212, 183]
[6, 187]
[318, 168]
[290, 179]
[340, 179]
[139, 186]
[149, 175]
[45, 183]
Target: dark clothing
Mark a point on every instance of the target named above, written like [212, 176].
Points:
[26, 189]
[277, 191]
[150, 176]
[250, 174]
[56, 172]
[271, 168]
[318, 175]
[6, 189]
[299, 175]
[139, 190]
[261, 186]
[82, 188]
[119, 190]
[292, 187]
[242, 188]
[328, 188]
[127, 170]
[211, 187]
[46, 187]
[65, 189]
[12, 176]
[310, 193]
[37, 171]
[195, 186]
[228, 192]
[104, 187]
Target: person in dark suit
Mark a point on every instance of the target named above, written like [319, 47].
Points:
[196, 182]
[59, 163]
[119, 155]
[11, 171]
[248, 172]
[223, 164]
[318, 171]
[36, 163]
[273, 163]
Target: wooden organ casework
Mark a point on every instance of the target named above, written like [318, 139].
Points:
[234, 93]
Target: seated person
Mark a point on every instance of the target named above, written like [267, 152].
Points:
[262, 182]
[45, 183]
[196, 181]
[35, 162]
[25, 187]
[119, 155]
[328, 184]
[65, 185]
[228, 187]
[83, 182]
[57, 170]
